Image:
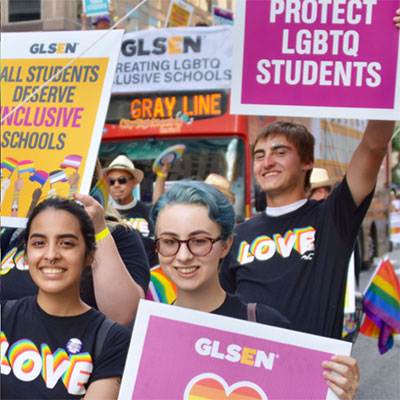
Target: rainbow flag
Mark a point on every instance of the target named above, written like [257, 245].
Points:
[25, 166]
[382, 306]
[72, 161]
[58, 176]
[10, 164]
[39, 176]
[161, 289]
[101, 191]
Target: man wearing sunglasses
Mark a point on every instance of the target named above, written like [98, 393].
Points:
[124, 177]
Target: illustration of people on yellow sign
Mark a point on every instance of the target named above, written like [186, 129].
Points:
[50, 140]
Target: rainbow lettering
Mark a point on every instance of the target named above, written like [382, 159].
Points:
[140, 224]
[5, 365]
[78, 374]
[7, 264]
[285, 244]
[27, 364]
[263, 247]
[305, 239]
[244, 256]
[54, 365]
[20, 261]
[25, 360]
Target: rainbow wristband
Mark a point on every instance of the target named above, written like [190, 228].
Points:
[101, 235]
[161, 174]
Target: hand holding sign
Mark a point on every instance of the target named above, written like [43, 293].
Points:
[397, 19]
[344, 376]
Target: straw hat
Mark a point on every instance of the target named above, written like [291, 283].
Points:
[124, 163]
[222, 184]
[319, 178]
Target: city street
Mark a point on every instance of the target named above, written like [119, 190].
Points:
[380, 374]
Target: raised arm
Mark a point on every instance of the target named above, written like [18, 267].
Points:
[161, 177]
[367, 159]
[117, 294]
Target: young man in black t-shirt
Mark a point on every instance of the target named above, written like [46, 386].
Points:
[294, 256]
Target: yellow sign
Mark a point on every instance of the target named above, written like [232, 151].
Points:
[46, 139]
[179, 14]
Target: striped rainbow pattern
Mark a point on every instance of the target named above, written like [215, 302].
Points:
[101, 191]
[25, 166]
[20, 347]
[9, 163]
[382, 306]
[161, 289]
[39, 176]
[58, 176]
[75, 359]
[3, 339]
[59, 356]
[72, 161]
[209, 389]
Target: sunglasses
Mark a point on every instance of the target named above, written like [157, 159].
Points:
[121, 180]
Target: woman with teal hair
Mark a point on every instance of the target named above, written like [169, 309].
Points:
[194, 226]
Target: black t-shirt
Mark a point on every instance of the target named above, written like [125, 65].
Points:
[297, 263]
[49, 357]
[139, 217]
[235, 307]
[16, 281]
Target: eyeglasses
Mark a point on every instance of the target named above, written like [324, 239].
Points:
[121, 180]
[199, 246]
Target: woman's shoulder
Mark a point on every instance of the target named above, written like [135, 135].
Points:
[11, 306]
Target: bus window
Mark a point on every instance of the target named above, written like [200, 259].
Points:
[202, 156]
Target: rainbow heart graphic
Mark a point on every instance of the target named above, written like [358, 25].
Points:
[209, 386]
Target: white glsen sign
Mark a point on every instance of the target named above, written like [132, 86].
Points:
[175, 59]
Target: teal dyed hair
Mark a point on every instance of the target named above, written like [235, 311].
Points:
[220, 209]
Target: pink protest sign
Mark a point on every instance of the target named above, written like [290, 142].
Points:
[176, 353]
[312, 58]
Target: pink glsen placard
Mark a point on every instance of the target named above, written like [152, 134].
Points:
[317, 59]
[177, 353]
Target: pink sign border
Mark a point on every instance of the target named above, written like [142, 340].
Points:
[240, 107]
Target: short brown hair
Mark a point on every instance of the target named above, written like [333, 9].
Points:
[296, 134]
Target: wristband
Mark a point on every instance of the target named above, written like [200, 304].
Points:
[161, 174]
[101, 235]
[71, 192]
[115, 18]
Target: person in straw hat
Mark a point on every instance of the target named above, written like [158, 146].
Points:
[124, 177]
[321, 184]
[222, 184]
